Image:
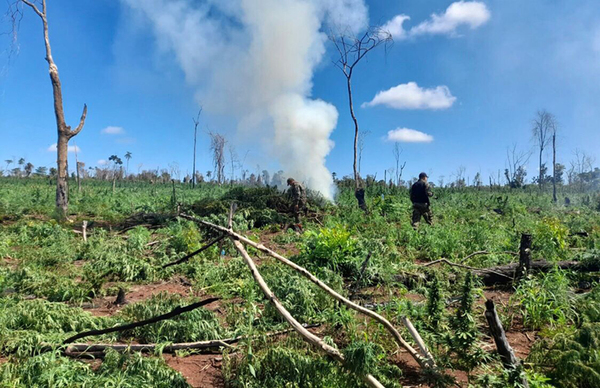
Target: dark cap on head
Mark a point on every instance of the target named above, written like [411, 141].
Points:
[290, 181]
[423, 175]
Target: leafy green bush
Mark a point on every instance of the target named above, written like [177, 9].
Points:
[572, 358]
[117, 370]
[332, 248]
[545, 300]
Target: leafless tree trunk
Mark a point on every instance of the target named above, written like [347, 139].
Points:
[217, 146]
[554, 128]
[399, 168]
[351, 50]
[77, 170]
[65, 133]
[196, 123]
[543, 126]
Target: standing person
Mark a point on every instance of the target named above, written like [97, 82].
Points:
[419, 196]
[298, 195]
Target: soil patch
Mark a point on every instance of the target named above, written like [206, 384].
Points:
[200, 370]
[105, 306]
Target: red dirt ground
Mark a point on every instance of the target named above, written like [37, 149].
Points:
[200, 370]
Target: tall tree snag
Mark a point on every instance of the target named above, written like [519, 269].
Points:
[196, 123]
[65, 133]
[543, 126]
[351, 50]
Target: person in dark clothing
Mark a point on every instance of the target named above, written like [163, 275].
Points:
[298, 196]
[419, 196]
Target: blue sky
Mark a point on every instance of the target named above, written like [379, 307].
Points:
[528, 55]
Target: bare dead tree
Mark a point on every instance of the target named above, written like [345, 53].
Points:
[196, 123]
[65, 133]
[583, 163]
[542, 131]
[553, 130]
[235, 161]
[515, 171]
[399, 168]
[352, 49]
[77, 169]
[217, 147]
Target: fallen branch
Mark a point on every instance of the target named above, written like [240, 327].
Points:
[486, 253]
[307, 335]
[422, 360]
[177, 311]
[78, 350]
[446, 261]
[189, 256]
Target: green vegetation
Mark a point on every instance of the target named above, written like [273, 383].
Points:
[52, 284]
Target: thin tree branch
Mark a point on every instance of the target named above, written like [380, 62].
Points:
[189, 256]
[33, 6]
[81, 122]
[177, 311]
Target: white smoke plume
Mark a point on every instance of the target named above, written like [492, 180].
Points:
[255, 59]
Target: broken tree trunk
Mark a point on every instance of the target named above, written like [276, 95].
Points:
[307, 335]
[423, 360]
[507, 355]
[524, 256]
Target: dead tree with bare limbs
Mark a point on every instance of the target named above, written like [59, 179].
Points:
[217, 146]
[196, 123]
[65, 133]
[544, 125]
[352, 49]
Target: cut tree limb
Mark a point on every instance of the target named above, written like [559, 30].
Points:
[307, 335]
[177, 311]
[422, 360]
[79, 349]
[187, 257]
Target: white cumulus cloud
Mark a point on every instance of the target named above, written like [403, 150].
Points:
[472, 14]
[412, 96]
[468, 13]
[73, 148]
[407, 135]
[112, 130]
[395, 27]
[102, 162]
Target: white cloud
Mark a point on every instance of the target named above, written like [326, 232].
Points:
[102, 162]
[395, 27]
[468, 13]
[407, 135]
[461, 13]
[412, 96]
[73, 148]
[110, 130]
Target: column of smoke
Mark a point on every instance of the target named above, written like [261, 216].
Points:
[255, 59]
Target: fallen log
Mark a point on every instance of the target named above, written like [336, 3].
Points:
[505, 274]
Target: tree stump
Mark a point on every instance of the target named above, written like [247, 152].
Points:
[524, 256]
